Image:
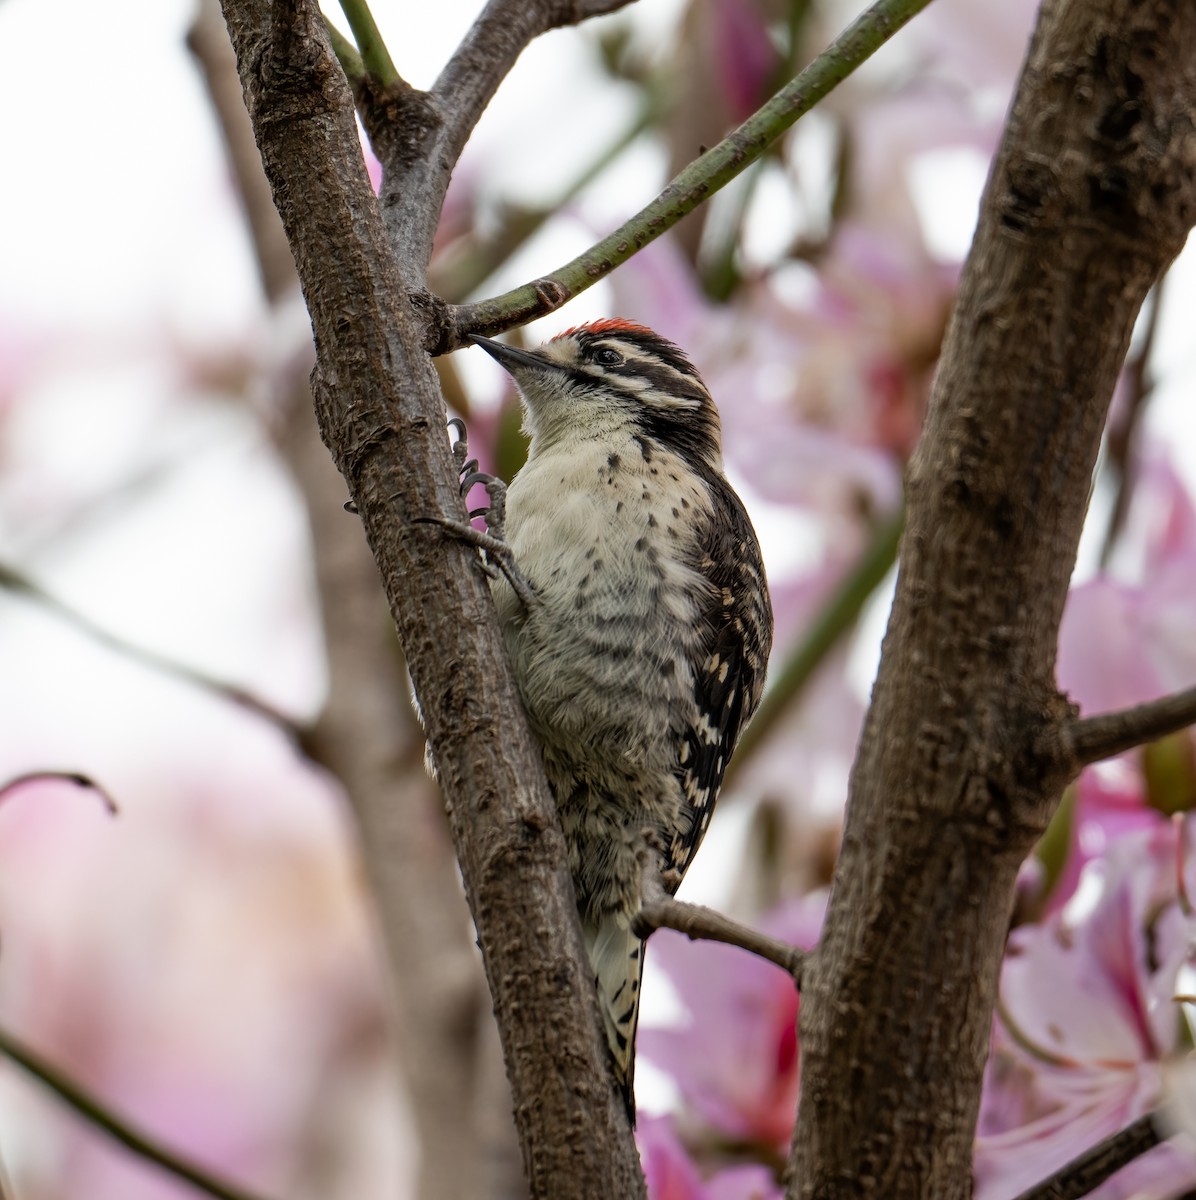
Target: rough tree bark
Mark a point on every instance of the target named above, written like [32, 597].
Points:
[381, 414]
[966, 748]
[368, 738]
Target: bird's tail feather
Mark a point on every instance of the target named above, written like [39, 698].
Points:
[617, 957]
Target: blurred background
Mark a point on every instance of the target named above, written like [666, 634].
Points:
[188, 621]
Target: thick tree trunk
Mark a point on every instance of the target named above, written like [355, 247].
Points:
[963, 755]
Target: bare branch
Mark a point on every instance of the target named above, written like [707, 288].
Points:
[704, 176]
[72, 777]
[1121, 436]
[1092, 739]
[381, 414]
[101, 1117]
[1083, 1175]
[207, 39]
[20, 584]
[489, 50]
[697, 921]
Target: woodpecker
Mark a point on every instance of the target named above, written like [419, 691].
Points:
[640, 640]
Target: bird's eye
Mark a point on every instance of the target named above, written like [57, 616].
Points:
[606, 357]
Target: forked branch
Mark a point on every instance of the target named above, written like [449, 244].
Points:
[696, 184]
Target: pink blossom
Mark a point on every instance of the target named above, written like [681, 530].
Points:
[736, 1059]
[1085, 1019]
[744, 59]
[1142, 617]
[672, 1175]
[1108, 805]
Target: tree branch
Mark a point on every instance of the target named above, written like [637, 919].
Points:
[367, 737]
[375, 58]
[381, 414]
[1122, 434]
[418, 136]
[1084, 1174]
[697, 921]
[704, 176]
[101, 1117]
[207, 39]
[1092, 739]
[21, 585]
[963, 756]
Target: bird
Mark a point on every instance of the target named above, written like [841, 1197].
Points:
[637, 618]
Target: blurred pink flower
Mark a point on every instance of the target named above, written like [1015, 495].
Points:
[1085, 1019]
[735, 1062]
[672, 1175]
[1143, 621]
[744, 58]
[1109, 805]
[203, 962]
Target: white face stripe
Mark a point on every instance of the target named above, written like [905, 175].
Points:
[566, 350]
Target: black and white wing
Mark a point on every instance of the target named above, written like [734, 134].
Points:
[728, 669]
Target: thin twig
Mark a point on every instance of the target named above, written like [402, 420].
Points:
[465, 87]
[20, 584]
[98, 1114]
[347, 55]
[418, 136]
[1087, 1172]
[375, 57]
[1095, 738]
[697, 921]
[690, 188]
[458, 275]
[73, 777]
[1121, 434]
[207, 39]
[837, 616]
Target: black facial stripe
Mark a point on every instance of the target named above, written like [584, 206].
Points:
[663, 378]
[633, 344]
[692, 432]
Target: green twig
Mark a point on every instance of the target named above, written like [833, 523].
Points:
[346, 54]
[695, 184]
[836, 618]
[375, 57]
[99, 1115]
[459, 275]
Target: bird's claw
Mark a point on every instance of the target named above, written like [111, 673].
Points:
[498, 558]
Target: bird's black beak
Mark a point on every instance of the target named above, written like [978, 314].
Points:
[508, 357]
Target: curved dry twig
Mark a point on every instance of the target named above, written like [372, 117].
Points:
[76, 778]
[101, 1117]
[698, 922]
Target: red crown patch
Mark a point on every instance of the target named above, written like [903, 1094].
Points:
[607, 325]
